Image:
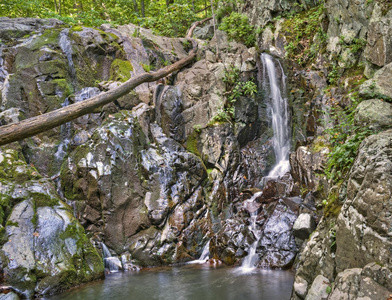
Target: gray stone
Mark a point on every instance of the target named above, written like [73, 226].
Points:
[9, 296]
[11, 115]
[43, 235]
[379, 86]
[318, 290]
[304, 226]
[204, 33]
[352, 284]
[363, 225]
[379, 38]
[300, 287]
[375, 114]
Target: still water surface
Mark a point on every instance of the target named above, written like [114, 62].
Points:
[189, 282]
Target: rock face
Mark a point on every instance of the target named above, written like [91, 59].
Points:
[44, 249]
[363, 226]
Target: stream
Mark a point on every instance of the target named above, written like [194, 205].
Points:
[189, 282]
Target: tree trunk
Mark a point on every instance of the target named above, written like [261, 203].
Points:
[142, 8]
[32, 126]
[135, 8]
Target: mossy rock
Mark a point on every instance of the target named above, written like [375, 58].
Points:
[120, 70]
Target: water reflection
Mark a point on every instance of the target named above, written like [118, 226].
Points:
[190, 282]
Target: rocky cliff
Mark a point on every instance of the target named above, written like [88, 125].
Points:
[341, 84]
[163, 170]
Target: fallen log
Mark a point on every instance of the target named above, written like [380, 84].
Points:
[32, 126]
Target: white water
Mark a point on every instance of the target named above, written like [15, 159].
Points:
[250, 261]
[279, 113]
[204, 257]
[112, 263]
[66, 46]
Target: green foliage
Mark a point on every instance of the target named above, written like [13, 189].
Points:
[328, 289]
[345, 138]
[238, 28]
[334, 74]
[235, 88]
[302, 28]
[226, 7]
[146, 67]
[173, 21]
[223, 115]
[170, 21]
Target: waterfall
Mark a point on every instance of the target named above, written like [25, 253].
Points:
[279, 114]
[112, 263]
[66, 47]
[205, 255]
[250, 261]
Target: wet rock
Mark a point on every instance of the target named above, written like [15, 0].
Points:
[304, 226]
[11, 115]
[35, 215]
[9, 296]
[374, 113]
[318, 290]
[277, 246]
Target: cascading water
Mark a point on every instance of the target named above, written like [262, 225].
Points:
[279, 114]
[204, 257]
[66, 46]
[112, 263]
[281, 144]
[250, 261]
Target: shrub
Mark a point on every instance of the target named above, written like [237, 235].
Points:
[238, 28]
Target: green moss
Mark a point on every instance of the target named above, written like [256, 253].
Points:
[64, 86]
[192, 143]
[10, 223]
[34, 219]
[120, 70]
[3, 237]
[41, 200]
[319, 144]
[332, 205]
[77, 28]
[49, 37]
[146, 67]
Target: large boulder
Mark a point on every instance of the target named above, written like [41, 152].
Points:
[363, 226]
[374, 113]
[361, 285]
[379, 86]
[44, 249]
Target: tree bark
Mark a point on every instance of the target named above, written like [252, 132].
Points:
[32, 126]
[135, 8]
[142, 8]
[194, 25]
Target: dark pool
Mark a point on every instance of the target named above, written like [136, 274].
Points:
[194, 282]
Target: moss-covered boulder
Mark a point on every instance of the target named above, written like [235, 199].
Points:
[44, 250]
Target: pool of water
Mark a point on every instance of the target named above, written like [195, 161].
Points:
[189, 282]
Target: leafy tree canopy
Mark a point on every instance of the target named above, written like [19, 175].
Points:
[165, 17]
